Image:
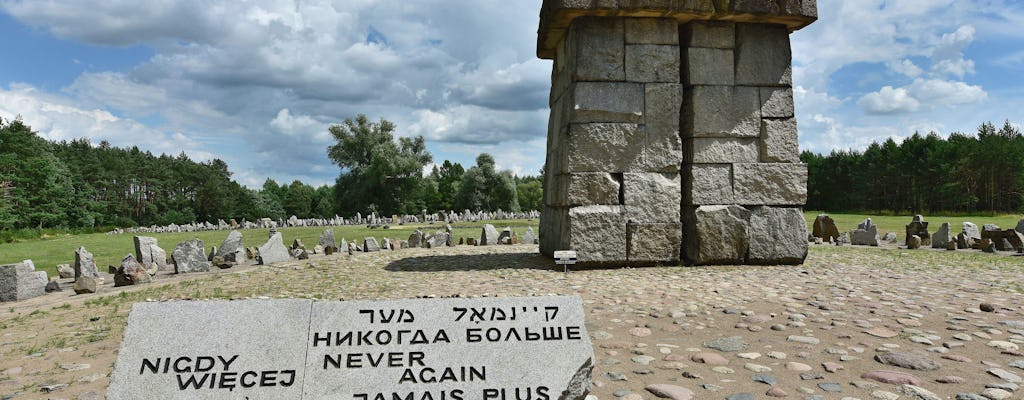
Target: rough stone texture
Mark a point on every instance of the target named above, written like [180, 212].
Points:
[488, 235]
[721, 111]
[648, 243]
[188, 257]
[779, 141]
[529, 237]
[652, 31]
[607, 102]
[942, 237]
[652, 63]
[273, 251]
[770, 184]
[763, 55]
[662, 147]
[708, 66]
[722, 150]
[709, 34]
[147, 252]
[777, 236]
[131, 272]
[65, 271]
[21, 281]
[232, 249]
[593, 189]
[85, 284]
[599, 49]
[370, 244]
[84, 264]
[605, 147]
[918, 227]
[866, 234]
[709, 184]
[327, 240]
[716, 234]
[776, 102]
[651, 197]
[597, 233]
[825, 228]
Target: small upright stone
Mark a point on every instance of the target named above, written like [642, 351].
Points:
[21, 281]
[370, 244]
[825, 228]
[232, 250]
[149, 254]
[918, 227]
[327, 241]
[913, 242]
[942, 237]
[273, 251]
[85, 284]
[866, 234]
[84, 264]
[488, 235]
[188, 257]
[130, 273]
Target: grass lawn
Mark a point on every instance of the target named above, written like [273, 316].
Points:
[897, 223]
[47, 252]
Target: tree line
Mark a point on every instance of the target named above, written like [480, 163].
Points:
[923, 174]
[77, 185]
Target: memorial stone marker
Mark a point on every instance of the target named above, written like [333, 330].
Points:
[669, 118]
[423, 349]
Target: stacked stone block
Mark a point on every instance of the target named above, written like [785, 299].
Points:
[672, 132]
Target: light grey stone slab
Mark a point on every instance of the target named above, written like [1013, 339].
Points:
[652, 31]
[722, 150]
[189, 256]
[716, 234]
[598, 233]
[147, 252]
[232, 248]
[597, 47]
[709, 184]
[256, 346]
[652, 63]
[593, 189]
[652, 197]
[605, 147]
[273, 251]
[710, 34]
[654, 242]
[463, 348]
[607, 102]
[770, 184]
[662, 147]
[84, 264]
[21, 281]
[779, 141]
[708, 66]
[776, 102]
[777, 236]
[722, 111]
[763, 55]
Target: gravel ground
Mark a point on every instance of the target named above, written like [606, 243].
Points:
[851, 323]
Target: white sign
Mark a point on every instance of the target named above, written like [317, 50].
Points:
[565, 257]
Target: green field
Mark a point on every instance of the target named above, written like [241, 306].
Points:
[47, 252]
[897, 223]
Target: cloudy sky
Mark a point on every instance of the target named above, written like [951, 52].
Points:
[257, 83]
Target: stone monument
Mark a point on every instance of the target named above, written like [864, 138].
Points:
[672, 131]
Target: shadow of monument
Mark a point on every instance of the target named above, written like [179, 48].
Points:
[472, 262]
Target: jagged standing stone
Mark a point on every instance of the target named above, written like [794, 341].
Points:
[130, 273]
[84, 264]
[21, 281]
[488, 235]
[942, 237]
[149, 254]
[866, 234]
[825, 228]
[85, 284]
[65, 271]
[918, 227]
[327, 241]
[416, 239]
[188, 257]
[370, 244]
[232, 250]
[529, 237]
[273, 251]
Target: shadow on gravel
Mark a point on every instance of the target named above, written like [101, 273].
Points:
[472, 262]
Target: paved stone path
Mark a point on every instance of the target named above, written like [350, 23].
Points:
[851, 323]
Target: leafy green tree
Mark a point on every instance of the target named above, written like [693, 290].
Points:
[485, 188]
[323, 202]
[299, 200]
[377, 173]
[34, 183]
[531, 194]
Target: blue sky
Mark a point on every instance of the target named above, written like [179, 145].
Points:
[257, 83]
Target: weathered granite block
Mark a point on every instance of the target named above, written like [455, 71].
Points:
[708, 66]
[709, 184]
[652, 63]
[777, 236]
[598, 233]
[232, 249]
[607, 102]
[149, 254]
[779, 141]
[273, 251]
[715, 234]
[651, 243]
[652, 31]
[763, 55]
[721, 150]
[770, 184]
[662, 147]
[776, 102]
[709, 34]
[593, 189]
[188, 257]
[605, 147]
[721, 111]
[866, 234]
[651, 197]
[21, 281]
[598, 48]
[556, 190]
[84, 264]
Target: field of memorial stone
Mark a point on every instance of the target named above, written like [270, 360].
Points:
[852, 322]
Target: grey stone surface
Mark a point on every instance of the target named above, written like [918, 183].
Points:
[273, 251]
[652, 63]
[85, 285]
[721, 111]
[1020, 226]
[715, 234]
[825, 228]
[607, 102]
[188, 257]
[297, 349]
[652, 31]
[529, 237]
[149, 254]
[565, 368]
[593, 189]
[709, 184]
[598, 233]
[651, 197]
[84, 264]
[708, 66]
[274, 347]
[776, 102]
[21, 281]
[770, 184]
[777, 236]
[597, 47]
[970, 230]
[65, 271]
[370, 244]
[711, 34]
[232, 249]
[653, 242]
[605, 147]
[488, 235]
[763, 55]
[327, 239]
[942, 237]
[918, 227]
[131, 272]
[779, 141]
[662, 147]
[722, 150]
[866, 234]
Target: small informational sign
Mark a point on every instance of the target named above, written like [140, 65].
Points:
[422, 349]
[565, 258]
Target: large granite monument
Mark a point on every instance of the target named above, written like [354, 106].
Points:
[672, 131]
